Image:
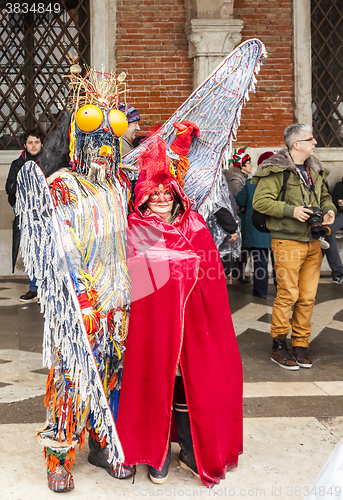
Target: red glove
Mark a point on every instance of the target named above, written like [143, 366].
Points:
[185, 131]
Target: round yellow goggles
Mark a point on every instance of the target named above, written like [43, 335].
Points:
[89, 118]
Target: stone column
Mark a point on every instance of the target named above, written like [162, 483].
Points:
[212, 34]
[103, 34]
[302, 61]
[210, 41]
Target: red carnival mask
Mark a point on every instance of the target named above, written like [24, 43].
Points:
[161, 194]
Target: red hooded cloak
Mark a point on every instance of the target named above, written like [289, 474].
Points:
[180, 315]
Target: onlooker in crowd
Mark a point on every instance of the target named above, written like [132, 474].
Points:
[259, 242]
[133, 118]
[32, 149]
[297, 253]
[236, 178]
[137, 141]
[331, 253]
[224, 224]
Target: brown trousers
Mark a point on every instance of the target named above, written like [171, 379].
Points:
[297, 268]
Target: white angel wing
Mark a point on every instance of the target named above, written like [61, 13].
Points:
[42, 249]
[215, 107]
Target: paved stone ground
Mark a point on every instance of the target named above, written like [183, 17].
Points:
[292, 420]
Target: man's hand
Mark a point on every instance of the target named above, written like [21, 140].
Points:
[329, 217]
[302, 213]
[340, 203]
[233, 237]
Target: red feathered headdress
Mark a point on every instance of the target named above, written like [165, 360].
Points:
[154, 169]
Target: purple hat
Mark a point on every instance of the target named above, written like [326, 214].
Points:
[131, 113]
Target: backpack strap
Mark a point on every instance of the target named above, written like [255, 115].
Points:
[286, 174]
[259, 220]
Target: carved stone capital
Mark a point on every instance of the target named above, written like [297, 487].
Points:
[213, 37]
[210, 40]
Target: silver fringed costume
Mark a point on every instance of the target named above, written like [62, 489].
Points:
[73, 233]
[221, 197]
[215, 107]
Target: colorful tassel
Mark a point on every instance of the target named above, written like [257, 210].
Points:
[70, 421]
[82, 439]
[112, 381]
[53, 458]
[49, 388]
[95, 436]
[182, 169]
[59, 185]
[72, 149]
[92, 320]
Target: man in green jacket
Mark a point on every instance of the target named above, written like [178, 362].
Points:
[295, 245]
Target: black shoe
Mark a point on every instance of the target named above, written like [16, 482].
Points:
[188, 465]
[98, 456]
[301, 357]
[186, 458]
[28, 297]
[244, 281]
[281, 356]
[338, 279]
[160, 476]
[259, 295]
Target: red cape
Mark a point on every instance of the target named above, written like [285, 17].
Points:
[180, 314]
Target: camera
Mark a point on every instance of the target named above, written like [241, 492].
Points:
[315, 223]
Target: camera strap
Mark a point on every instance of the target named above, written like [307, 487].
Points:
[311, 184]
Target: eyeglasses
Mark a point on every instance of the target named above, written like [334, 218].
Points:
[310, 139]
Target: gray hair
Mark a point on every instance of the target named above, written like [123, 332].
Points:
[291, 133]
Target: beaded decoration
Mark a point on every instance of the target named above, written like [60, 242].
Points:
[78, 241]
[215, 107]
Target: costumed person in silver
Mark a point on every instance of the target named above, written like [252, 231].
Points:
[221, 217]
[236, 179]
[73, 223]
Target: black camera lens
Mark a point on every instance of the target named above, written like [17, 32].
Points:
[315, 223]
[318, 231]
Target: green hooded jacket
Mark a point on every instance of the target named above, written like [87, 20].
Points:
[267, 198]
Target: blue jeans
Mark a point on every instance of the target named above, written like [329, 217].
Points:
[32, 285]
[331, 253]
[260, 280]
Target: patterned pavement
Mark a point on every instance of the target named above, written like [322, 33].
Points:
[292, 420]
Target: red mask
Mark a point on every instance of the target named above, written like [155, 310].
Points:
[161, 194]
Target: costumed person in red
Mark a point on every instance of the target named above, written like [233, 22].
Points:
[180, 324]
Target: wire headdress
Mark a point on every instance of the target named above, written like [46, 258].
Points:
[96, 87]
[96, 150]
